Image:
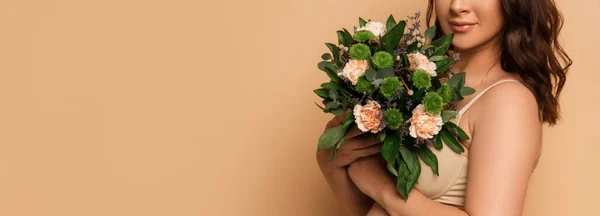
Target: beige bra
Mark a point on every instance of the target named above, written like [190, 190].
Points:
[450, 186]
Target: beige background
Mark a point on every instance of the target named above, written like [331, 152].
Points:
[147, 107]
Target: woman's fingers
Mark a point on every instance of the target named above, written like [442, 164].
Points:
[369, 151]
[361, 141]
[354, 131]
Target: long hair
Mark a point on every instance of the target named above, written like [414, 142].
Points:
[530, 48]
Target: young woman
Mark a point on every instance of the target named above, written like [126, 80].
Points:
[511, 54]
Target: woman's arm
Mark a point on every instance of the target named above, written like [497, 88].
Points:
[356, 144]
[505, 149]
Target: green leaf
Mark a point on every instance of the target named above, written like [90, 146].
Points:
[451, 141]
[436, 58]
[447, 115]
[331, 137]
[321, 107]
[414, 175]
[391, 145]
[425, 48]
[459, 131]
[323, 93]
[412, 47]
[407, 156]
[391, 39]
[333, 94]
[348, 38]
[430, 159]
[385, 72]
[333, 85]
[335, 51]
[348, 121]
[324, 64]
[371, 74]
[361, 22]
[443, 65]
[326, 56]
[466, 91]
[456, 96]
[443, 44]
[430, 32]
[333, 75]
[392, 169]
[333, 105]
[391, 22]
[335, 150]
[456, 79]
[401, 181]
[339, 111]
[438, 142]
[381, 136]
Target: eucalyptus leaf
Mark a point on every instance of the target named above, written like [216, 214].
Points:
[466, 91]
[436, 58]
[323, 93]
[430, 32]
[456, 79]
[451, 141]
[333, 105]
[430, 159]
[370, 74]
[456, 96]
[339, 111]
[326, 56]
[331, 137]
[448, 115]
[333, 94]
[324, 64]
[385, 72]
[333, 85]
[391, 145]
[391, 22]
[425, 48]
[459, 131]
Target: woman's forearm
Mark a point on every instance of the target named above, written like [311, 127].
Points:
[416, 205]
[346, 192]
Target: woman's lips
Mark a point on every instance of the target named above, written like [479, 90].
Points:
[462, 28]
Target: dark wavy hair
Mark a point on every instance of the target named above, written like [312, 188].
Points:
[530, 48]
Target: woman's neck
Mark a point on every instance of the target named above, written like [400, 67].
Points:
[478, 62]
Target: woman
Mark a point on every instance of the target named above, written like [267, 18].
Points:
[510, 52]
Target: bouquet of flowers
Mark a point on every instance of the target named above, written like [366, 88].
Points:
[399, 85]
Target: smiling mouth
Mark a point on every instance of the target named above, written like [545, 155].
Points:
[462, 27]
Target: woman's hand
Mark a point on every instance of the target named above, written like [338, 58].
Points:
[371, 177]
[357, 144]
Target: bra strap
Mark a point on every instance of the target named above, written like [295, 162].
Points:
[466, 107]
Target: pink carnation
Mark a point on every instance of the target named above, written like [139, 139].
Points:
[419, 61]
[369, 117]
[424, 124]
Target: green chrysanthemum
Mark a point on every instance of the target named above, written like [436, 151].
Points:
[363, 35]
[389, 87]
[446, 92]
[421, 80]
[360, 51]
[364, 86]
[433, 102]
[394, 118]
[383, 59]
